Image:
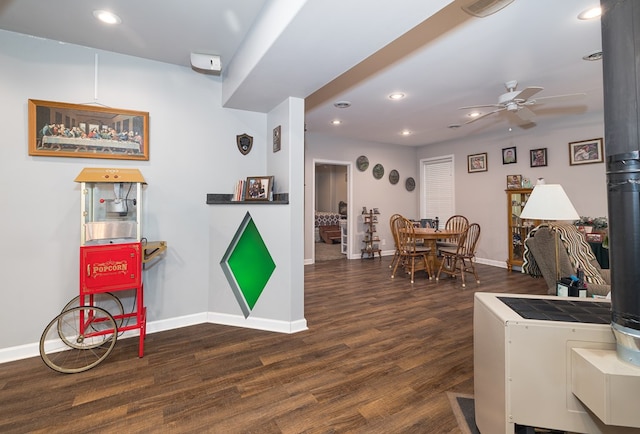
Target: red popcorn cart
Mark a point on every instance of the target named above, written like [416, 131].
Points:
[112, 258]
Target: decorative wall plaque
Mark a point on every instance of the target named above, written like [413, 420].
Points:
[245, 143]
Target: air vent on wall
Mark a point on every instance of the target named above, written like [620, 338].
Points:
[484, 8]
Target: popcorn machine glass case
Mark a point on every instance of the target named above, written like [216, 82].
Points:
[110, 206]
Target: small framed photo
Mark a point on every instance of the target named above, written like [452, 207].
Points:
[276, 138]
[477, 163]
[514, 181]
[585, 152]
[509, 155]
[259, 188]
[538, 157]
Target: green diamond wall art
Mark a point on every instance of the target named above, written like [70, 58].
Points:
[247, 264]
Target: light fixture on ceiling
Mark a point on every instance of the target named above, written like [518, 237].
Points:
[484, 8]
[405, 133]
[474, 114]
[342, 104]
[591, 13]
[453, 126]
[396, 95]
[336, 122]
[107, 17]
[596, 55]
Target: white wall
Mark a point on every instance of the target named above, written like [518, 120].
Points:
[192, 152]
[366, 190]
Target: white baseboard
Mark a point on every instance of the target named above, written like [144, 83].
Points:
[257, 323]
[20, 352]
[493, 263]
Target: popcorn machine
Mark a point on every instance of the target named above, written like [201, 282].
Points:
[112, 255]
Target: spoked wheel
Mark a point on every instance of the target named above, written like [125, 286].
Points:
[103, 300]
[78, 339]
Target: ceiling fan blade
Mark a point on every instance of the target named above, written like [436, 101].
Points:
[525, 114]
[479, 106]
[485, 115]
[528, 92]
[566, 97]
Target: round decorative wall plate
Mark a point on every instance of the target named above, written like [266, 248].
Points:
[362, 163]
[394, 176]
[410, 184]
[378, 171]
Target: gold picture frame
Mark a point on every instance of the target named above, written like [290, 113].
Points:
[58, 129]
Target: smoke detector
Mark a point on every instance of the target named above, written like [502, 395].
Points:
[206, 63]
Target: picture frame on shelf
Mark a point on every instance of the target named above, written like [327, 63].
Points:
[585, 152]
[58, 129]
[477, 163]
[538, 157]
[259, 188]
[514, 182]
[509, 155]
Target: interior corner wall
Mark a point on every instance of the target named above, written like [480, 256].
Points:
[367, 191]
[193, 152]
[481, 195]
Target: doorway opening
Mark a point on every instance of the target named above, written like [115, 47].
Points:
[332, 210]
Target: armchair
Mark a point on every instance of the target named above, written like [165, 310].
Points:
[573, 252]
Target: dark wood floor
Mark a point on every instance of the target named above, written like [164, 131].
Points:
[379, 357]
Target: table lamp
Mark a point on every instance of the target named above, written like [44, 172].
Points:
[549, 202]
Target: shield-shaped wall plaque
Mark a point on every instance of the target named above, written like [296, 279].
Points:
[245, 142]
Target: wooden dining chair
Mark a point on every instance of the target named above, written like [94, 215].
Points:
[408, 251]
[458, 223]
[459, 260]
[392, 225]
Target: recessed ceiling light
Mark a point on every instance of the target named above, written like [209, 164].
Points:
[474, 114]
[596, 55]
[591, 13]
[342, 104]
[107, 17]
[336, 122]
[454, 126]
[405, 133]
[396, 95]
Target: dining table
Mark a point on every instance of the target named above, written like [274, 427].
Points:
[430, 236]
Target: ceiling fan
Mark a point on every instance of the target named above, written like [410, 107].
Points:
[517, 102]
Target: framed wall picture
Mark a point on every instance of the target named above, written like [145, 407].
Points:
[585, 152]
[509, 155]
[477, 163]
[276, 138]
[259, 188]
[514, 181]
[58, 129]
[538, 157]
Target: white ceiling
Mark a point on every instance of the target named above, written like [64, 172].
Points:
[325, 51]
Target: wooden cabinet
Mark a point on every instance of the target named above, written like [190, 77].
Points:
[518, 229]
[371, 240]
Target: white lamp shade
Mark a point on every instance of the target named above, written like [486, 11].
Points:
[549, 202]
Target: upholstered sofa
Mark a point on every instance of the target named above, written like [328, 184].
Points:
[540, 258]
